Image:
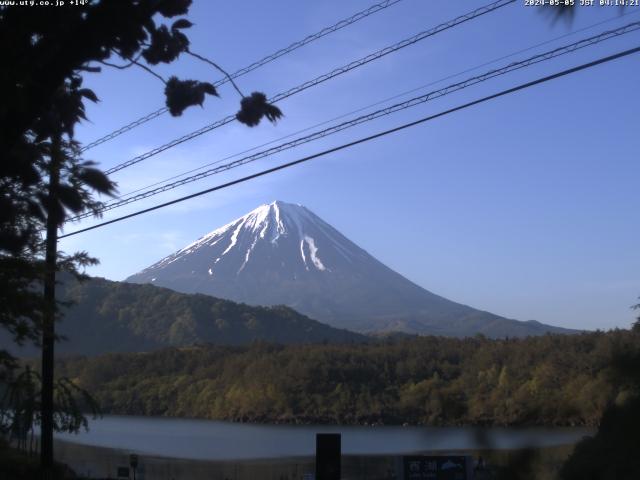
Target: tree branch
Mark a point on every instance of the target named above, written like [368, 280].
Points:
[134, 61]
[218, 67]
[121, 67]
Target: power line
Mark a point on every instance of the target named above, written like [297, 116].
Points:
[380, 102]
[320, 79]
[522, 86]
[536, 59]
[249, 68]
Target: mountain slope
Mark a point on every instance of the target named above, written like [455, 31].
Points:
[284, 254]
[122, 317]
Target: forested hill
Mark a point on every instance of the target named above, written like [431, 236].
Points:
[548, 380]
[111, 316]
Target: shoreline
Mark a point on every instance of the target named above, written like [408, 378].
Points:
[102, 462]
[195, 439]
[324, 422]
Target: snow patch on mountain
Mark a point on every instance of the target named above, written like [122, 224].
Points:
[248, 254]
[273, 222]
[284, 254]
[313, 251]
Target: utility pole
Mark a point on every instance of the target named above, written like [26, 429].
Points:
[49, 316]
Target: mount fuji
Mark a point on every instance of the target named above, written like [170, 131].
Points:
[283, 254]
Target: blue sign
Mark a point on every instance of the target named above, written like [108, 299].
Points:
[440, 467]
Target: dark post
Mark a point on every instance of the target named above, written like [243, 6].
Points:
[328, 451]
[133, 461]
[49, 314]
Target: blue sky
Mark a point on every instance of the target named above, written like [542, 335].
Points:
[525, 206]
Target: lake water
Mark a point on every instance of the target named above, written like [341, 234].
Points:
[211, 440]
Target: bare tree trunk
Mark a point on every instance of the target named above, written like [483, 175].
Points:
[48, 327]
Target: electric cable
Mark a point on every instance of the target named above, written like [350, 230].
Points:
[249, 68]
[380, 102]
[536, 59]
[320, 79]
[323, 153]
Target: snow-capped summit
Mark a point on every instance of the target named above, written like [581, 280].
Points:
[282, 253]
[274, 231]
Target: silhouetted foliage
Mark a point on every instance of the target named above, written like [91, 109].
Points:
[560, 11]
[42, 174]
[253, 108]
[20, 407]
[184, 93]
[166, 45]
[42, 94]
[41, 102]
[613, 453]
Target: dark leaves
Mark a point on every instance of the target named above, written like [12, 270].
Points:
[89, 94]
[87, 68]
[165, 46]
[21, 163]
[209, 88]
[35, 210]
[560, 12]
[72, 263]
[71, 198]
[254, 107]
[172, 8]
[182, 94]
[96, 180]
[131, 32]
[181, 24]
[53, 209]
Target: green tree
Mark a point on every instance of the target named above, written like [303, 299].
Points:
[612, 453]
[20, 409]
